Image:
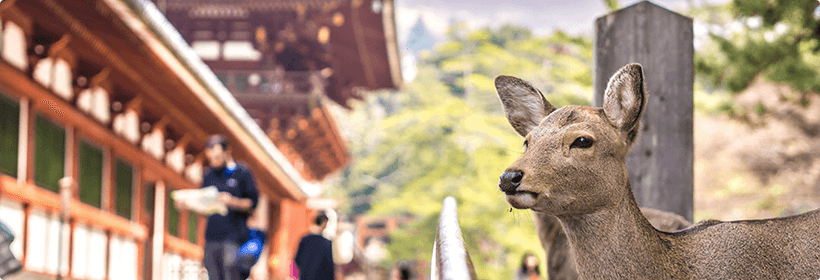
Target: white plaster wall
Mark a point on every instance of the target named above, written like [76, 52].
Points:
[100, 107]
[79, 267]
[152, 144]
[122, 263]
[96, 254]
[171, 266]
[14, 46]
[129, 260]
[118, 124]
[62, 83]
[42, 71]
[194, 173]
[52, 255]
[175, 159]
[191, 270]
[115, 261]
[84, 100]
[131, 130]
[36, 240]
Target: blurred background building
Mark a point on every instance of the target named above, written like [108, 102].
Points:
[107, 92]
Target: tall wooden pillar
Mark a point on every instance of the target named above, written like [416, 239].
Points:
[292, 222]
[660, 164]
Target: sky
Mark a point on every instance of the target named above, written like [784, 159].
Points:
[541, 16]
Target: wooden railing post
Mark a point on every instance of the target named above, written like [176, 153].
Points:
[660, 164]
[450, 259]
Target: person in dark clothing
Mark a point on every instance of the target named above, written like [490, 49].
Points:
[225, 234]
[529, 268]
[403, 271]
[314, 258]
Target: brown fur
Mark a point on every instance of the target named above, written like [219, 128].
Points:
[587, 189]
[560, 258]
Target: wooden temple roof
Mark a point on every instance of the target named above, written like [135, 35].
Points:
[128, 44]
[304, 52]
[360, 52]
[265, 5]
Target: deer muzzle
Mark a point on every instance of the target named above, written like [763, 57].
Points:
[510, 180]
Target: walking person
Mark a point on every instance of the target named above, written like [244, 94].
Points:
[403, 271]
[529, 268]
[225, 234]
[314, 257]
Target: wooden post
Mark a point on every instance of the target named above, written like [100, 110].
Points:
[660, 164]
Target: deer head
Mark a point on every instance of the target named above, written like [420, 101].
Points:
[574, 158]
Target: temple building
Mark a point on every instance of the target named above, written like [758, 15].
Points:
[108, 93]
[282, 59]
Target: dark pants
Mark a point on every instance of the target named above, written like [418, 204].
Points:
[220, 260]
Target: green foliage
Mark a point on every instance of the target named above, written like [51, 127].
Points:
[445, 135]
[760, 109]
[612, 5]
[778, 40]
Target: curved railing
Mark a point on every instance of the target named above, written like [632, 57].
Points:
[450, 260]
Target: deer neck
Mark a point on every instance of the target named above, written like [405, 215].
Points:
[615, 242]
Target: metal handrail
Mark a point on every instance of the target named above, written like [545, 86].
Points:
[450, 260]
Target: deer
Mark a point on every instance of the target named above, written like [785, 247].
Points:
[573, 168]
[560, 257]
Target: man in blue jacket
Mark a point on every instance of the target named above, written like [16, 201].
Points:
[225, 234]
[314, 258]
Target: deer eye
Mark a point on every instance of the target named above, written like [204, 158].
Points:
[526, 144]
[581, 142]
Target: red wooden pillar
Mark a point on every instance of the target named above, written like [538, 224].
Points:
[292, 223]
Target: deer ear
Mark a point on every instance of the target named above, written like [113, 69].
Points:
[625, 100]
[524, 105]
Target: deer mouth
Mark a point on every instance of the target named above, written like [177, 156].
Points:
[521, 193]
[521, 199]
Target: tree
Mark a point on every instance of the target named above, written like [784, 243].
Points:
[779, 40]
[446, 135]
[612, 4]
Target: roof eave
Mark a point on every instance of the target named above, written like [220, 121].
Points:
[160, 36]
[391, 43]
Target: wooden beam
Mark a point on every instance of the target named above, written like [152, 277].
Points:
[108, 179]
[29, 194]
[71, 225]
[325, 121]
[135, 104]
[9, 11]
[17, 83]
[6, 4]
[184, 141]
[72, 159]
[272, 99]
[60, 45]
[183, 224]
[101, 79]
[161, 124]
[115, 62]
[230, 123]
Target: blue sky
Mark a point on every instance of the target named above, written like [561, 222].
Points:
[541, 16]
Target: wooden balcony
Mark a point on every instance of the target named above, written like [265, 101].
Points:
[271, 87]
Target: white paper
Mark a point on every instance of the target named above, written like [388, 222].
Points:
[204, 201]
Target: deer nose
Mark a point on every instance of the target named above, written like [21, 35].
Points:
[510, 180]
